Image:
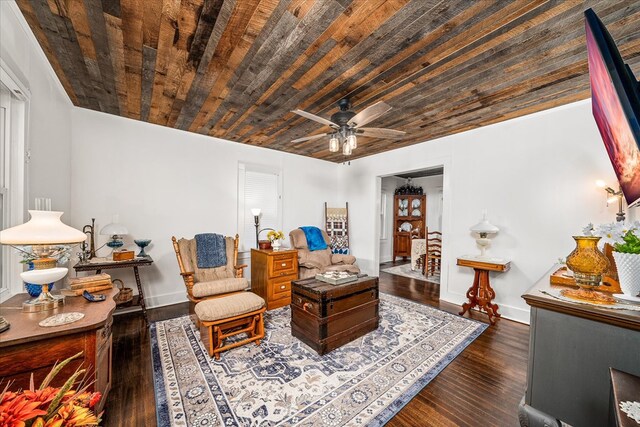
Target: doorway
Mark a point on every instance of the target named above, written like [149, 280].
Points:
[411, 205]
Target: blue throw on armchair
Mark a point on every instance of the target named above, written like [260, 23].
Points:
[315, 241]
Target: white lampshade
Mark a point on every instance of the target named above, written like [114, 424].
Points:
[255, 211]
[485, 226]
[43, 277]
[44, 228]
[114, 229]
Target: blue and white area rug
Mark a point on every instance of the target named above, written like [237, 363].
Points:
[283, 382]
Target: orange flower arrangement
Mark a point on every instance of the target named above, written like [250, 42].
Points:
[50, 406]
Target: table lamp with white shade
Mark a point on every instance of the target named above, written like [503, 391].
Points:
[43, 232]
[484, 229]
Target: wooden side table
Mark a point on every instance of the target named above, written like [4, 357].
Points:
[99, 265]
[271, 275]
[481, 293]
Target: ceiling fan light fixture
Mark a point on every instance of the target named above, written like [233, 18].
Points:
[346, 148]
[334, 144]
[352, 141]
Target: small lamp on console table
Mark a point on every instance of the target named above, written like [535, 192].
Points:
[42, 232]
[484, 229]
[116, 231]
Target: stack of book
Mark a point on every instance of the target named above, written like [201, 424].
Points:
[95, 283]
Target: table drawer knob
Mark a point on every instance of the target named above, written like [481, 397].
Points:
[284, 264]
[283, 287]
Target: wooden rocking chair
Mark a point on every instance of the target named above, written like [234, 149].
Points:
[207, 283]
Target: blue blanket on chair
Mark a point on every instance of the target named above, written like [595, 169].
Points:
[211, 250]
[315, 241]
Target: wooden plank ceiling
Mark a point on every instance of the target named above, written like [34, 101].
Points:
[235, 69]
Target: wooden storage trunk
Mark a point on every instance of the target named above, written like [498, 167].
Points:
[326, 316]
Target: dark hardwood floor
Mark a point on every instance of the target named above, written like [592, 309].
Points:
[481, 387]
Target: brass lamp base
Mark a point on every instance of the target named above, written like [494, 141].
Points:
[44, 302]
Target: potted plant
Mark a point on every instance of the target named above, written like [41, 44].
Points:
[275, 237]
[625, 239]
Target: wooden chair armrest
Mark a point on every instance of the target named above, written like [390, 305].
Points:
[241, 266]
[188, 273]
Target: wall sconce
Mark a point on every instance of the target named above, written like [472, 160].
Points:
[612, 197]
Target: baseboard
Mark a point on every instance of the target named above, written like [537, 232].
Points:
[510, 312]
[165, 299]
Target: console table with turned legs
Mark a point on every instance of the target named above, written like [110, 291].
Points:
[99, 264]
[481, 293]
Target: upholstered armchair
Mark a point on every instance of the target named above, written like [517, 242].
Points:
[313, 262]
[205, 283]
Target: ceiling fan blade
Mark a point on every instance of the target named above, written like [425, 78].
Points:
[315, 118]
[308, 138]
[380, 133]
[369, 114]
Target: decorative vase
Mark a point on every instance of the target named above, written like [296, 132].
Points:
[276, 245]
[587, 262]
[628, 266]
[142, 243]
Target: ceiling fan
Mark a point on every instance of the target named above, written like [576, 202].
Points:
[347, 125]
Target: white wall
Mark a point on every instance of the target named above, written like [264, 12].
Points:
[165, 182]
[534, 174]
[49, 117]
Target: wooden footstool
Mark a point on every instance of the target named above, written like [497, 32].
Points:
[223, 317]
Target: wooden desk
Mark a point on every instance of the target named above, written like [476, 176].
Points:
[481, 293]
[572, 346]
[27, 347]
[98, 265]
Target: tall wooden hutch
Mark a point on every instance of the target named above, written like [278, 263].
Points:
[409, 222]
